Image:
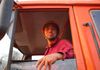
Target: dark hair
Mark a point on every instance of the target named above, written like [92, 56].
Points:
[53, 24]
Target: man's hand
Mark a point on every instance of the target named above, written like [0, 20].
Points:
[47, 60]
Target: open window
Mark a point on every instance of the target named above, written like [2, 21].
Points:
[29, 38]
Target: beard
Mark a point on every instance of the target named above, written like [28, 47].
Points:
[52, 38]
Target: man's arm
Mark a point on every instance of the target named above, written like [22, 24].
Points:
[64, 51]
[47, 60]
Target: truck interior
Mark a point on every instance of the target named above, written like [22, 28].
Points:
[29, 38]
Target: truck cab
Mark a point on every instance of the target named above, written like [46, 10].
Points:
[79, 22]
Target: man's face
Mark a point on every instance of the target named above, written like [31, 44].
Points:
[50, 32]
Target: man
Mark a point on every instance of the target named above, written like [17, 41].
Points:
[56, 49]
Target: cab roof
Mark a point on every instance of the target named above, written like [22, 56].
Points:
[57, 1]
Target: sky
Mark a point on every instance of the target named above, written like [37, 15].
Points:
[4, 46]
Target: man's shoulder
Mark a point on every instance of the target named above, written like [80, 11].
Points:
[64, 41]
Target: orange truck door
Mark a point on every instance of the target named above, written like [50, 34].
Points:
[90, 43]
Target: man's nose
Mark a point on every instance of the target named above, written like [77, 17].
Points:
[49, 30]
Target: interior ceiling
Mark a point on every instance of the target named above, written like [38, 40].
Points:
[29, 37]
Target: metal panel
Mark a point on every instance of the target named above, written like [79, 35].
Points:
[5, 14]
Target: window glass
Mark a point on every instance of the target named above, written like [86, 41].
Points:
[96, 19]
